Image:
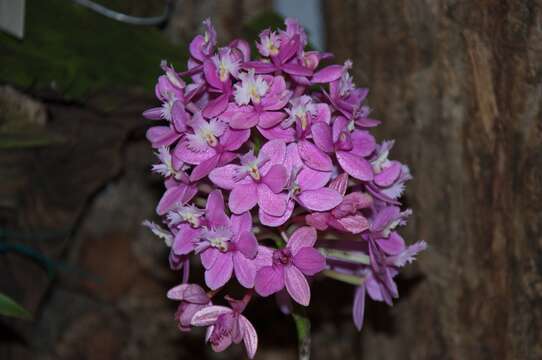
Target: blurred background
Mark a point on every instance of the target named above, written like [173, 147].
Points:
[457, 83]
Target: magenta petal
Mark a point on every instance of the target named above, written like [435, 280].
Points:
[216, 106]
[358, 308]
[245, 270]
[243, 119]
[195, 48]
[320, 200]
[309, 261]
[204, 168]
[278, 133]
[214, 210]
[355, 166]
[250, 337]
[321, 135]
[318, 220]
[209, 256]
[314, 157]
[275, 150]
[305, 236]
[179, 116]
[271, 203]
[297, 70]
[208, 315]
[271, 118]
[211, 74]
[184, 153]
[276, 178]
[269, 280]
[363, 143]
[354, 224]
[153, 113]
[243, 198]
[162, 136]
[274, 221]
[297, 285]
[224, 176]
[388, 176]
[260, 67]
[393, 245]
[309, 179]
[221, 271]
[288, 49]
[328, 74]
[234, 139]
[340, 124]
[184, 240]
[241, 223]
[247, 244]
[170, 199]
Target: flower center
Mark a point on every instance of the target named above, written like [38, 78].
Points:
[254, 172]
[282, 257]
[219, 238]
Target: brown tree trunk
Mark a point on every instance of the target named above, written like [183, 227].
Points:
[459, 85]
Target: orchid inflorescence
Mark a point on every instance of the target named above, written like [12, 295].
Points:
[258, 157]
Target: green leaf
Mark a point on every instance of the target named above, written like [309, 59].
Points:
[8, 307]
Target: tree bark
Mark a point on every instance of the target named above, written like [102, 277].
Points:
[459, 85]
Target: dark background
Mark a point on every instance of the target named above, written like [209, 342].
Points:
[457, 83]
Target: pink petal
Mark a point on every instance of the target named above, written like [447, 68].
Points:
[184, 153]
[209, 256]
[172, 197]
[323, 113]
[234, 139]
[318, 220]
[297, 70]
[355, 166]
[309, 179]
[247, 244]
[269, 280]
[358, 308]
[340, 183]
[314, 157]
[340, 124]
[388, 176]
[297, 285]
[204, 168]
[260, 67]
[276, 178]
[328, 74]
[214, 209]
[292, 159]
[305, 236]
[188, 292]
[224, 176]
[271, 118]
[274, 221]
[179, 116]
[244, 119]
[354, 224]
[153, 113]
[243, 198]
[363, 143]
[184, 240]
[221, 271]
[208, 315]
[275, 150]
[309, 261]
[241, 223]
[211, 74]
[245, 270]
[250, 337]
[195, 48]
[271, 203]
[264, 257]
[287, 50]
[278, 133]
[320, 200]
[393, 245]
[321, 135]
[162, 136]
[216, 106]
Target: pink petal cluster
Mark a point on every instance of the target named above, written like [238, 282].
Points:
[270, 148]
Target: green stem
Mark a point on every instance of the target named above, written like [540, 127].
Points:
[303, 326]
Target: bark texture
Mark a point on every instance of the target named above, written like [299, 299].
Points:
[459, 85]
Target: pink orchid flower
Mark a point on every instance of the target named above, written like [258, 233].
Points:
[257, 181]
[227, 326]
[289, 265]
[193, 298]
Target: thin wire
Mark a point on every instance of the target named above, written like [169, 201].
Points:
[134, 20]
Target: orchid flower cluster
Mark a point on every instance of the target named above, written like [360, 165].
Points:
[272, 177]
